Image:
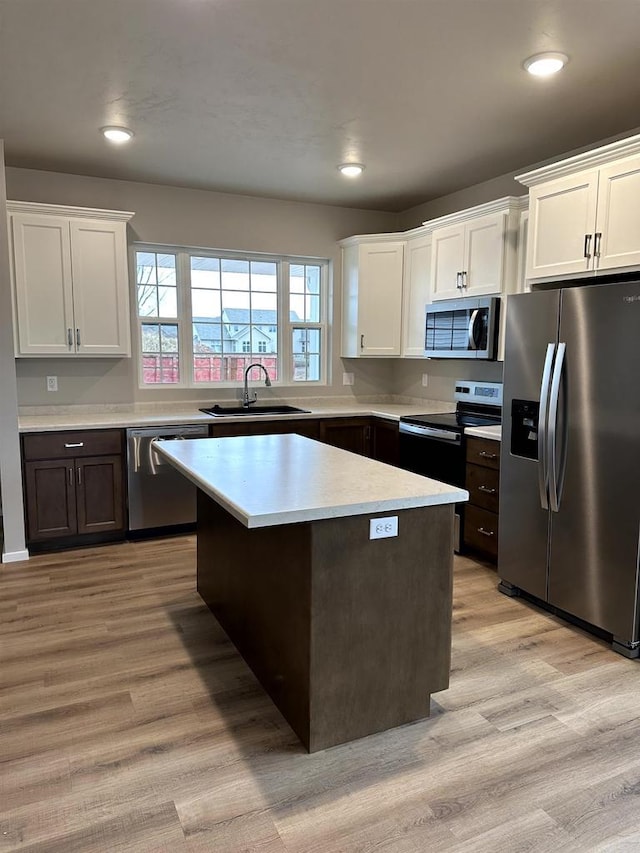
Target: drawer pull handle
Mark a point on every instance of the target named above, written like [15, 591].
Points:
[486, 532]
[77, 444]
[486, 455]
[487, 490]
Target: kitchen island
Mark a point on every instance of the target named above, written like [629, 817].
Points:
[348, 634]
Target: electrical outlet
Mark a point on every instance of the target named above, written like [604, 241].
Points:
[52, 383]
[382, 528]
[425, 380]
[347, 378]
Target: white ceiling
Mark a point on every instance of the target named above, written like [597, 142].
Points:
[266, 97]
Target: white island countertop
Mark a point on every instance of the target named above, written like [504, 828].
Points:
[266, 480]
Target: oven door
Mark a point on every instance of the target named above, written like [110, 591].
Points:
[462, 328]
[438, 454]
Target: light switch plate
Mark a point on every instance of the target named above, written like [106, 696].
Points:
[425, 380]
[384, 527]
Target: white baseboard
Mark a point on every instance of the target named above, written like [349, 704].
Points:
[15, 556]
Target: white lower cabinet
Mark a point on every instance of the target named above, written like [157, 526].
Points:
[70, 281]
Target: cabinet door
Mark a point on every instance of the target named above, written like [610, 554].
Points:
[618, 219]
[561, 215]
[50, 498]
[100, 288]
[100, 494]
[484, 255]
[352, 434]
[447, 254]
[415, 294]
[380, 298]
[385, 442]
[42, 280]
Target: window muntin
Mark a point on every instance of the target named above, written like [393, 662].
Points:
[236, 310]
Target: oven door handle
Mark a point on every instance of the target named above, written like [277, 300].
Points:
[430, 432]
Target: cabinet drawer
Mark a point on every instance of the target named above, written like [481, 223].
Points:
[481, 530]
[70, 445]
[483, 487]
[305, 426]
[483, 451]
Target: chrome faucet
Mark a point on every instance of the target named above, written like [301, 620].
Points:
[246, 400]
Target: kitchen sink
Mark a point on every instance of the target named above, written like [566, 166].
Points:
[234, 411]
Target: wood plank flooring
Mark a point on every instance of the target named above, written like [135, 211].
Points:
[129, 723]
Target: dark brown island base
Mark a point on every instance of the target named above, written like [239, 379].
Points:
[349, 635]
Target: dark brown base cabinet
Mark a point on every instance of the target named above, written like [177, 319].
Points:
[481, 513]
[74, 486]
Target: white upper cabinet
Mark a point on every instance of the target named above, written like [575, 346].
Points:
[585, 213]
[372, 297]
[415, 294]
[474, 255]
[70, 280]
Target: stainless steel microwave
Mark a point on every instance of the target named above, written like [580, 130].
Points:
[463, 328]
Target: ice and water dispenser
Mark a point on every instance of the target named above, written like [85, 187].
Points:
[524, 428]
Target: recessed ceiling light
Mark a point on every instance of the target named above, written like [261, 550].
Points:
[351, 170]
[117, 134]
[545, 64]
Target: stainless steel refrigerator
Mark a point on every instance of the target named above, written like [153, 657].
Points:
[570, 468]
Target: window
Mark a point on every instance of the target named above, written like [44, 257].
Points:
[239, 310]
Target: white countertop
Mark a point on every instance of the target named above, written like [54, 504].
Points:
[79, 417]
[492, 432]
[268, 480]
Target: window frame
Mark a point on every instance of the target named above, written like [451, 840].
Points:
[184, 320]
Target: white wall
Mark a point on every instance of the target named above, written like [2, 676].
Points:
[13, 547]
[180, 216]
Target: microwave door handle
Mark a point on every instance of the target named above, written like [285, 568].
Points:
[543, 437]
[473, 344]
[554, 474]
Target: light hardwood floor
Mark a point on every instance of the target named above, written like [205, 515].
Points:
[129, 723]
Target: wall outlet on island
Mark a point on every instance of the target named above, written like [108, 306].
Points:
[347, 378]
[52, 383]
[425, 380]
[382, 528]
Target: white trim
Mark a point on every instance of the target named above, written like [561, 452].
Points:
[14, 556]
[499, 205]
[589, 159]
[66, 210]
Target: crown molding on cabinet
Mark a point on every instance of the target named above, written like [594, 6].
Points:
[66, 210]
[589, 159]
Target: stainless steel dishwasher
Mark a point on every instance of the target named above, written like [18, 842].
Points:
[158, 495]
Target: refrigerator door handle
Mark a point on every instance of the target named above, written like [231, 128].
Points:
[554, 477]
[543, 437]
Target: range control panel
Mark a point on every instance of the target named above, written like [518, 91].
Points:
[479, 392]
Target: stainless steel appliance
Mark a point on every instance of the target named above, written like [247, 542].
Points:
[570, 469]
[158, 495]
[463, 328]
[434, 445]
